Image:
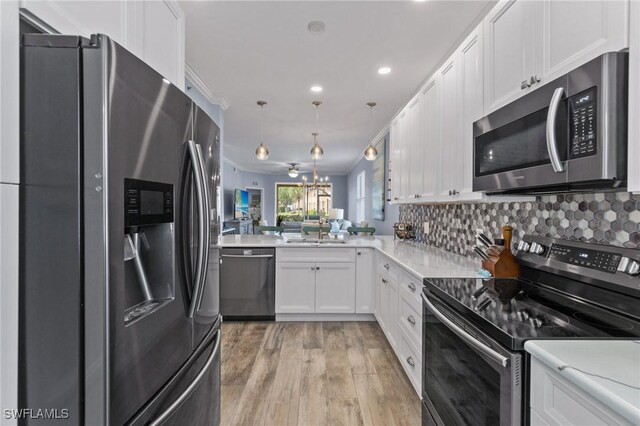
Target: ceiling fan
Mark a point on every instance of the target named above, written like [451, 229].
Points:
[294, 171]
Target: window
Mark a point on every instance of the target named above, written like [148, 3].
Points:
[360, 197]
[294, 202]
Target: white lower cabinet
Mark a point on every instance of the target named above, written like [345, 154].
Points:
[556, 401]
[335, 288]
[365, 298]
[322, 281]
[295, 287]
[382, 302]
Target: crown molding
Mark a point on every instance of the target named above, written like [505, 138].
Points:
[204, 88]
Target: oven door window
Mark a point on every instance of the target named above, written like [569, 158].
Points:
[463, 386]
[519, 144]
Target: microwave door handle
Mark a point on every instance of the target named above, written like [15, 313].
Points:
[552, 143]
[206, 230]
[197, 176]
[469, 339]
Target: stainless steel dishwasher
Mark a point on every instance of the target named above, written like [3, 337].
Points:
[248, 284]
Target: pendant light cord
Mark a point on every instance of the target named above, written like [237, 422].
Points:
[261, 125]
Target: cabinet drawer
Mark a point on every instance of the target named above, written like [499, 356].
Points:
[387, 267]
[313, 254]
[557, 401]
[412, 287]
[411, 360]
[411, 319]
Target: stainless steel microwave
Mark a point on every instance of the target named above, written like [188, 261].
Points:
[568, 135]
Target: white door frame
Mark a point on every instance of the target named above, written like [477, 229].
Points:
[255, 188]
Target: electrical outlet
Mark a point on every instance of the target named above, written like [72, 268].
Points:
[425, 227]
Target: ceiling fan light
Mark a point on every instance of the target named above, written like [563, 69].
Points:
[293, 172]
[316, 152]
[262, 153]
[371, 153]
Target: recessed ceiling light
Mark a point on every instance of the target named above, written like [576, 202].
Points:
[384, 70]
[316, 27]
[316, 88]
[419, 1]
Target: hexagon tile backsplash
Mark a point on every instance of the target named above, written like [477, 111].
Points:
[604, 218]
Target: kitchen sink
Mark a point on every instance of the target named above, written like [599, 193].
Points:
[313, 241]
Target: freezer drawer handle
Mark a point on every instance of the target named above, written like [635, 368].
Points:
[469, 339]
[253, 256]
[192, 387]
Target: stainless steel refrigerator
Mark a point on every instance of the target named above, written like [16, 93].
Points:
[119, 216]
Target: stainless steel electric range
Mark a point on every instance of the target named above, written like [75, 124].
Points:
[475, 369]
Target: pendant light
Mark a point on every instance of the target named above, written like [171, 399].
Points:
[371, 153]
[316, 151]
[262, 153]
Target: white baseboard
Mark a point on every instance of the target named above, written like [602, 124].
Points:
[325, 317]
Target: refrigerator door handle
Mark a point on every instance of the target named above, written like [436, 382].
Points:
[192, 387]
[200, 201]
[206, 231]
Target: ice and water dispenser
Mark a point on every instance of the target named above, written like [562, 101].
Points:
[149, 247]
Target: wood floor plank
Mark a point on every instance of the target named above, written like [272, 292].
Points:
[352, 335]
[254, 402]
[274, 335]
[360, 361]
[372, 335]
[394, 380]
[284, 397]
[372, 401]
[313, 337]
[339, 377]
[313, 389]
[236, 368]
[293, 340]
[229, 397]
[345, 412]
[333, 336]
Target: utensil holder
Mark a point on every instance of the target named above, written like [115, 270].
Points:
[501, 262]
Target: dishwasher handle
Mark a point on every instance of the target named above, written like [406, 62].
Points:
[241, 256]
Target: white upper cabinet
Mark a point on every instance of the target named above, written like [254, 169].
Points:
[405, 137]
[415, 147]
[471, 62]
[450, 149]
[395, 168]
[529, 43]
[574, 32]
[634, 99]
[430, 140]
[152, 30]
[509, 51]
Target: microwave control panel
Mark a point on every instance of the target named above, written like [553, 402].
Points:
[583, 124]
[147, 203]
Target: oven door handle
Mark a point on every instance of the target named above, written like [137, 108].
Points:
[552, 143]
[469, 339]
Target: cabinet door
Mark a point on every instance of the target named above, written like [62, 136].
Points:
[509, 51]
[393, 319]
[365, 299]
[450, 164]
[633, 158]
[395, 168]
[415, 152]
[574, 32]
[470, 57]
[295, 287]
[335, 288]
[404, 155]
[382, 301]
[430, 142]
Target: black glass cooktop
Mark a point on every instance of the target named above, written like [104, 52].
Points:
[515, 310]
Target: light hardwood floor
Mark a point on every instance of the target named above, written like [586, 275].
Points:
[315, 373]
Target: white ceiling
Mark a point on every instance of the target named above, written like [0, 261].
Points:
[249, 51]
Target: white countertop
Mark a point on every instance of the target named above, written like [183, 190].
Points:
[608, 370]
[419, 259]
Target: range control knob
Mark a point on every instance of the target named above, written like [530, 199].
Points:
[536, 321]
[523, 245]
[536, 248]
[629, 266]
[524, 314]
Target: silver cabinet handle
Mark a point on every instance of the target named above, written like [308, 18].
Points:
[189, 390]
[317, 268]
[524, 85]
[411, 362]
[552, 144]
[469, 339]
[412, 287]
[359, 253]
[386, 266]
[202, 225]
[411, 320]
[385, 281]
[534, 79]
